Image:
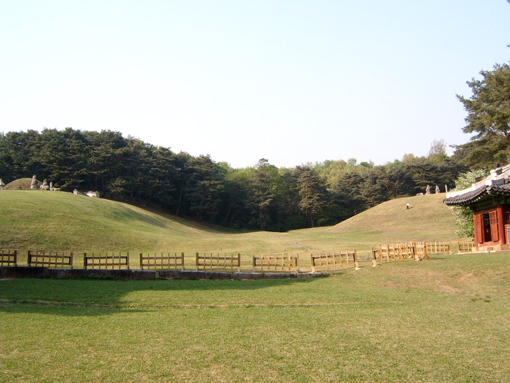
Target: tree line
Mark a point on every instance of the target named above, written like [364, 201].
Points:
[260, 197]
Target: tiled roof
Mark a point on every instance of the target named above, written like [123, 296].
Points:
[478, 194]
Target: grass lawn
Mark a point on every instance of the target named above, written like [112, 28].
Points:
[443, 320]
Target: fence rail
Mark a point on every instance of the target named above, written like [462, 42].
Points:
[8, 257]
[465, 247]
[439, 247]
[106, 261]
[281, 262]
[399, 251]
[162, 261]
[333, 261]
[218, 261]
[51, 260]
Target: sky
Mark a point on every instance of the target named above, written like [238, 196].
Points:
[291, 81]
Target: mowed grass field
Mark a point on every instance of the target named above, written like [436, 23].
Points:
[442, 320]
[446, 319]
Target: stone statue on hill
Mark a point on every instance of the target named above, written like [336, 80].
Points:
[33, 184]
[427, 190]
[44, 186]
[438, 190]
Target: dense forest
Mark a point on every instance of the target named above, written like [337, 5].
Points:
[260, 197]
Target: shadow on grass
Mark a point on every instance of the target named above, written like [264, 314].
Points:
[92, 297]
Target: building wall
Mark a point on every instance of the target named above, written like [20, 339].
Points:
[491, 228]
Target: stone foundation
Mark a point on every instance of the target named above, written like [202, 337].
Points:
[44, 272]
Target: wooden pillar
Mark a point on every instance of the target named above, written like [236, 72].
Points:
[478, 226]
[501, 225]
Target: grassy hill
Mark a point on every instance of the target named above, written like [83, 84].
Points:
[52, 221]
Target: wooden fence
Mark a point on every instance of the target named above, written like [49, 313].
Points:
[162, 261]
[50, 260]
[448, 247]
[8, 257]
[280, 262]
[284, 262]
[106, 261]
[399, 251]
[334, 261]
[218, 261]
[439, 248]
[466, 247]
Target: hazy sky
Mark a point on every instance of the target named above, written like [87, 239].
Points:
[291, 81]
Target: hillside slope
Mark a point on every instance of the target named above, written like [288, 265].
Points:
[38, 220]
[64, 221]
[427, 213]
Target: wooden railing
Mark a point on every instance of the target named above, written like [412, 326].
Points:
[284, 262]
[280, 262]
[106, 261]
[399, 251]
[465, 247]
[8, 257]
[54, 260]
[161, 261]
[334, 261]
[218, 261]
[439, 248]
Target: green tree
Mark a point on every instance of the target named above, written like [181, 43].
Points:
[18, 155]
[63, 156]
[263, 194]
[205, 187]
[235, 211]
[437, 153]
[312, 193]
[463, 214]
[104, 163]
[161, 178]
[288, 212]
[488, 118]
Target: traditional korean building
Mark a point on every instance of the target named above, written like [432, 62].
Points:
[490, 201]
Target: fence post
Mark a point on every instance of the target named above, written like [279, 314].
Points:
[374, 257]
[356, 260]
[196, 262]
[15, 257]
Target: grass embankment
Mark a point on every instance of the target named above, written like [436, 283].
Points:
[443, 320]
[37, 220]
